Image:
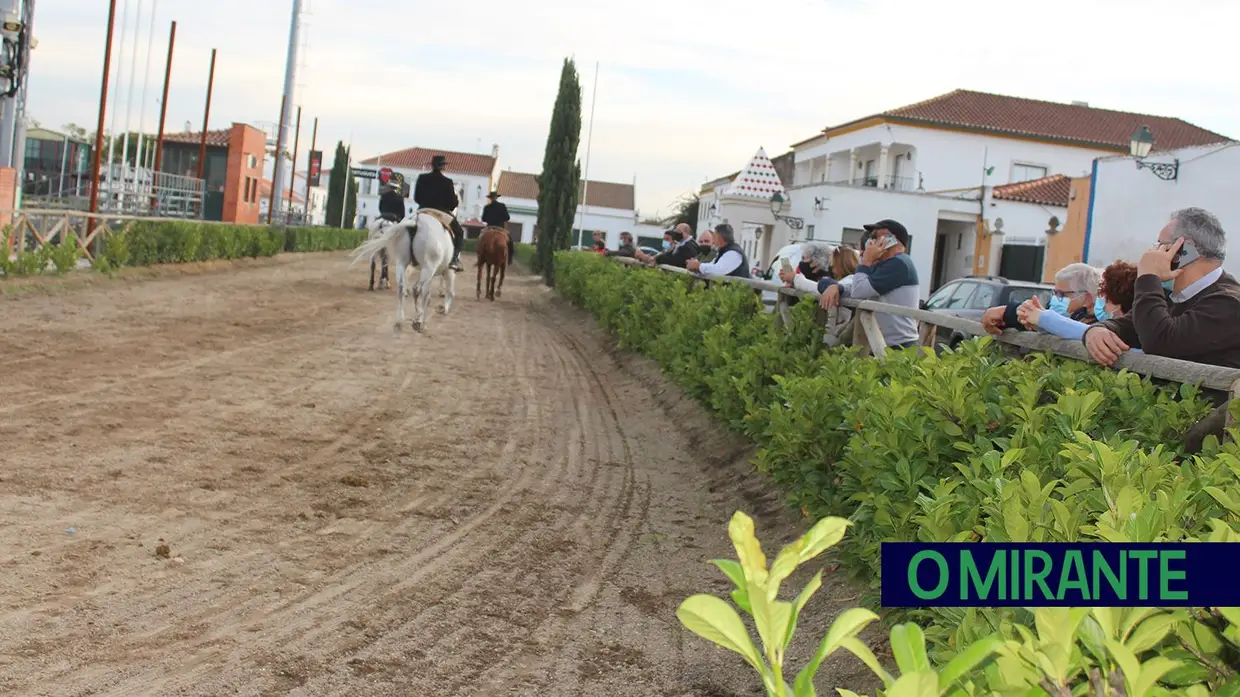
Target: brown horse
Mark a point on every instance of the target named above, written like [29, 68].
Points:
[492, 253]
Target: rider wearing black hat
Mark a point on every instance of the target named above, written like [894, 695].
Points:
[391, 203]
[495, 214]
[437, 192]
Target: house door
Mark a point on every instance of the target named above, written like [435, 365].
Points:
[748, 240]
[1022, 262]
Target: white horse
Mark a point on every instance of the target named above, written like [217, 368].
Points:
[431, 252]
[376, 231]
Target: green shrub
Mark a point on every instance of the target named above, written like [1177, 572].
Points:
[66, 254]
[967, 445]
[148, 242]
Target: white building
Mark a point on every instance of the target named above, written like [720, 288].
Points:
[473, 174]
[606, 207]
[941, 167]
[743, 200]
[1128, 205]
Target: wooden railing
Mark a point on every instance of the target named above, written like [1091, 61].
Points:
[869, 339]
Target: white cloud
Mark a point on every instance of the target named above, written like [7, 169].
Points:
[688, 89]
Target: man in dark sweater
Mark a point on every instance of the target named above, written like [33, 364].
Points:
[686, 248]
[435, 191]
[495, 214]
[1198, 321]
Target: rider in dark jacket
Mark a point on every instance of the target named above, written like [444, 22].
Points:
[495, 214]
[391, 204]
[437, 192]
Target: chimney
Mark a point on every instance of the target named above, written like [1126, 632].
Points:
[1084, 104]
[495, 151]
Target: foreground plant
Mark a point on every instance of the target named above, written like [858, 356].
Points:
[757, 593]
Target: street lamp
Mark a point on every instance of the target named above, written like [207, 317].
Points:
[1139, 147]
[777, 206]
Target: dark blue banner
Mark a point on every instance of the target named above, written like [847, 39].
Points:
[1068, 574]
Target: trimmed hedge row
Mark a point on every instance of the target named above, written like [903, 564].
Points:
[144, 243]
[966, 446]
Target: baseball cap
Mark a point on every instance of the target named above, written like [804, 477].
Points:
[896, 229]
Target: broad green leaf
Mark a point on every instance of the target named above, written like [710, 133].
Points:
[845, 627]
[797, 605]
[748, 550]
[1224, 498]
[733, 570]
[969, 659]
[1127, 663]
[923, 683]
[1231, 688]
[908, 645]
[771, 617]
[741, 598]
[825, 534]
[1151, 671]
[854, 646]
[1232, 614]
[714, 620]
[842, 691]
[1150, 632]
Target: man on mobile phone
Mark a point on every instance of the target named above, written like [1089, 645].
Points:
[887, 275]
[1197, 322]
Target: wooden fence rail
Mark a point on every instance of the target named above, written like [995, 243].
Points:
[867, 336]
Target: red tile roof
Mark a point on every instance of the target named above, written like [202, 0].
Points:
[600, 194]
[420, 158]
[215, 139]
[1054, 190]
[1069, 124]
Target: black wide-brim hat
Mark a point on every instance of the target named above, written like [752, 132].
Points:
[439, 161]
[493, 195]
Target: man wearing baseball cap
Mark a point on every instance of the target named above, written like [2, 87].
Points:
[886, 275]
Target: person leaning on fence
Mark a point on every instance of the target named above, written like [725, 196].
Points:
[886, 274]
[1198, 321]
[706, 246]
[1114, 299]
[626, 248]
[684, 248]
[1073, 298]
[729, 257]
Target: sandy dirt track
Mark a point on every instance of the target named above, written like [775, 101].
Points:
[523, 521]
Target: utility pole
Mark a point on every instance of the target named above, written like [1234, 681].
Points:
[289, 99]
[314, 138]
[163, 114]
[206, 120]
[292, 180]
[103, 107]
[275, 167]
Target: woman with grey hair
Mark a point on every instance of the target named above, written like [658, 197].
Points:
[1076, 289]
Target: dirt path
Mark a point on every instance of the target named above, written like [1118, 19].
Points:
[523, 521]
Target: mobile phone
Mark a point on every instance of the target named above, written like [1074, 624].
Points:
[1188, 254]
[787, 265]
[890, 241]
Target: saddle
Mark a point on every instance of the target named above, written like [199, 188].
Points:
[444, 219]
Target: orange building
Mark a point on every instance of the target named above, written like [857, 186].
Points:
[233, 172]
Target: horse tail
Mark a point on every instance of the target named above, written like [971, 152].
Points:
[376, 244]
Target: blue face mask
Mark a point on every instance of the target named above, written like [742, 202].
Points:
[1169, 286]
[1100, 310]
[1058, 305]
[667, 245]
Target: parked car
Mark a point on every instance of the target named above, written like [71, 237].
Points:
[971, 296]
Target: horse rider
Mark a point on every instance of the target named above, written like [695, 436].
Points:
[391, 209]
[495, 214]
[437, 192]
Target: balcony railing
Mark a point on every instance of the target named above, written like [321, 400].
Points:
[891, 182]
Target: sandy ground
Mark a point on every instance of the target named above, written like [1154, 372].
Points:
[240, 480]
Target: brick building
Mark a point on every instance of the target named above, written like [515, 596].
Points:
[233, 172]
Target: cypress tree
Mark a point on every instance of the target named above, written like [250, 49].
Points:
[350, 206]
[561, 174]
[336, 187]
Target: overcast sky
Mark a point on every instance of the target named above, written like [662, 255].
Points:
[687, 90]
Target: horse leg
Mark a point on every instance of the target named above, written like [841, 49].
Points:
[450, 281]
[422, 291]
[372, 274]
[492, 278]
[503, 269]
[400, 299]
[479, 288]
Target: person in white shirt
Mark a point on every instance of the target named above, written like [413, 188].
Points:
[729, 257]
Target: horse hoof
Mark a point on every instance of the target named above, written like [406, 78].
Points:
[419, 328]
[442, 310]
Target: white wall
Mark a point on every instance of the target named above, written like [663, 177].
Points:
[609, 220]
[852, 207]
[1131, 206]
[471, 188]
[951, 160]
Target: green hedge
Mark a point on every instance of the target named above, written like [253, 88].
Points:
[964, 446]
[168, 242]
